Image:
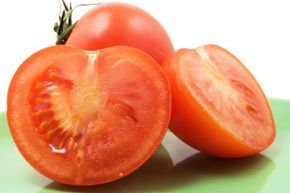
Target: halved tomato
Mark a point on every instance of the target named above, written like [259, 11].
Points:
[86, 118]
[218, 106]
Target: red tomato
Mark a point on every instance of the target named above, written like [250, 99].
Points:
[86, 118]
[111, 24]
[218, 106]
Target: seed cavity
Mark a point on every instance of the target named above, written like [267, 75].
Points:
[60, 134]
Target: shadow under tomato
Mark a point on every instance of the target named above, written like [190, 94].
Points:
[197, 173]
[207, 174]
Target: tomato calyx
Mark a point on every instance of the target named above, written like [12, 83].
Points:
[65, 25]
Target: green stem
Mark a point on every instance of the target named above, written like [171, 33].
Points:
[65, 25]
[63, 37]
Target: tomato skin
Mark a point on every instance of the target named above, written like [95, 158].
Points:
[126, 129]
[192, 119]
[112, 24]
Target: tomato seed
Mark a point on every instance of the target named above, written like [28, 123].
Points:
[39, 85]
[251, 109]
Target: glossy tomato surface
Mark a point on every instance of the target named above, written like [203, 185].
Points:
[218, 106]
[86, 118]
[111, 24]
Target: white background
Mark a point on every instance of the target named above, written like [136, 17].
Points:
[257, 32]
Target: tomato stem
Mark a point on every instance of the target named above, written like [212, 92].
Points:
[65, 25]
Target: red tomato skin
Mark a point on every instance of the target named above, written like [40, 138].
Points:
[112, 24]
[61, 168]
[191, 122]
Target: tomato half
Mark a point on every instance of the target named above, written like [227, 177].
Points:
[111, 24]
[218, 106]
[86, 118]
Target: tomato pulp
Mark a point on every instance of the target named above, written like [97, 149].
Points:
[218, 106]
[86, 118]
[111, 24]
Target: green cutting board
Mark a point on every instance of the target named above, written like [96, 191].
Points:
[175, 167]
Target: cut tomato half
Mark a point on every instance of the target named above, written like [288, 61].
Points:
[87, 118]
[218, 106]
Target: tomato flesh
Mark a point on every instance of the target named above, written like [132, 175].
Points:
[88, 118]
[218, 106]
[112, 24]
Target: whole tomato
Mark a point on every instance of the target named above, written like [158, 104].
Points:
[111, 24]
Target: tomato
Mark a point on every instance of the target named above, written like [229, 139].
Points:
[111, 24]
[218, 106]
[86, 118]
